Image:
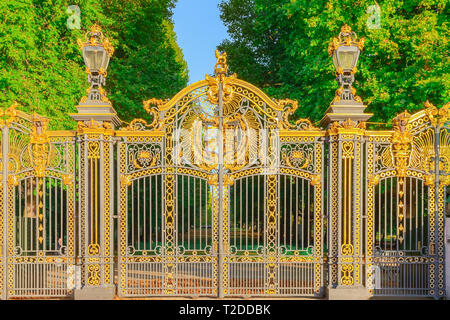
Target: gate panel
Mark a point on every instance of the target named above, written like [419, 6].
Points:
[40, 206]
[301, 213]
[247, 234]
[405, 219]
[195, 235]
[141, 219]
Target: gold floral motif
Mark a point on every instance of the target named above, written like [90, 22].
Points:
[125, 180]
[297, 159]
[315, 179]
[429, 180]
[12, 180]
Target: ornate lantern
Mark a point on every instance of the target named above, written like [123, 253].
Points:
[97, 51]
[345, 51]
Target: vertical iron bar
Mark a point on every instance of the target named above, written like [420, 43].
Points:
[5, 151]
[436, 204]
[220, 180]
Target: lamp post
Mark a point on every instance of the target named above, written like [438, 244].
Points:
[346, 104]
[345, 120]
[97, 51]
[96, 119]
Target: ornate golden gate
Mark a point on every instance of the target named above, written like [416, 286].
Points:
[37, 207]
[406, 193]
[220, 195]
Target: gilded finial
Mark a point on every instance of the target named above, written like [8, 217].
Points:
[95, 37]
[346, 29]
[346, 37]
[221, 66]
[95, 28]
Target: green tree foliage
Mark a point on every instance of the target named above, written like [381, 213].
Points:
[147, 62]
[281, 45]
[41, 66]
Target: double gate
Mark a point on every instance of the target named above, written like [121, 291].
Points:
[222, 194]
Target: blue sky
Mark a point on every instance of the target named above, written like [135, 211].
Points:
[199, 30]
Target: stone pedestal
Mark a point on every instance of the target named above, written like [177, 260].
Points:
[343, 293]
[95, 293]
[98, 111]
[343, 110]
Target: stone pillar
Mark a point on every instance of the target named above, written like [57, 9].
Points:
[95, 130]
[345, 122]
[346, 253]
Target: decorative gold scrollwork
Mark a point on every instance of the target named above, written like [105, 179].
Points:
[401, 143]
[437, 116]
[39, 148]
[154, 111]
[347, 278]
[94, 274]
[94, 249]
[220, 70]
[8, 115]
[290, 106]
[347, 249]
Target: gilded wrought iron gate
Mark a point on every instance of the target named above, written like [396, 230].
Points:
[220, 195]
[37, 207]
[405, 205]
